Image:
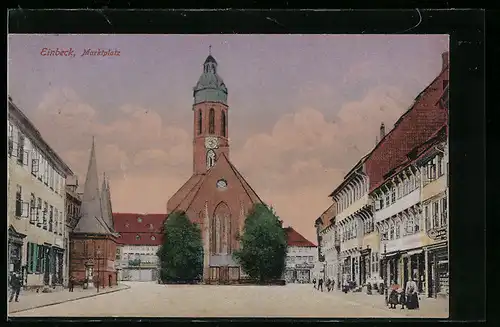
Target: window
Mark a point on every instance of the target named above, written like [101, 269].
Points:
[410, 222]
[45, 213]
[398, 230]
[11, 139]
[139, 219]
[393, 194]
[200, 121]
[400, 190]
[387, 202]
[431, 170]
[210, 159]
[51, 218]
[56, 221]
[435, 215]
[153, 238]
[391, 231]
[211, 121]
[46, 173]
[20, 148]
[137, 237]
[440, 166]
[416, 223]
[19, 201]
[381, 203]
[223, 124]
[444, 213]
[39, 211]
[32, 209]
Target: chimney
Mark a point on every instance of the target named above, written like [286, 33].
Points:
[382, 131]
[446, 58]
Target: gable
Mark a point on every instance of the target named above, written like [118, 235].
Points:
[237, 194]
[185, 190]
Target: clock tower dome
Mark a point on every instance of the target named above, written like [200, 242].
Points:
[210, 109]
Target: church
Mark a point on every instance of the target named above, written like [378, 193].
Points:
[216, 197]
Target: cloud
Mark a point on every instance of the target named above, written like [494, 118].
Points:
[293, 166]
[304, 157]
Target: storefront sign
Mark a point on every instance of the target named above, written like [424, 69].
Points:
[304, 265]
[437, 234]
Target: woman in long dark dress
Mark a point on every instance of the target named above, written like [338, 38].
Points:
[411, 295]
[393, 296]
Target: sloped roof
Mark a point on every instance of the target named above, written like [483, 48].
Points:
[196, 182]
[185, 190]
[414, 127]
[139, 229]
[294, 238]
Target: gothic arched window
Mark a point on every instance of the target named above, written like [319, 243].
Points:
[211, 121]
[223, 124]
[200, 117]
[210, 159]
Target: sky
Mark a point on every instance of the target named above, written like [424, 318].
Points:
[303, 109]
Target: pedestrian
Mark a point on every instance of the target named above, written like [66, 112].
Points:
[328, 282]
[314, 282]
[412, 295]
[333, 284]
[393, 295]
[71, 283]
[320, 284]
[15, 286]
[345, 286]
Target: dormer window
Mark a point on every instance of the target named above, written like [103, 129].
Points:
[151, 226]
[153, 238]
[137, 237]
[127, 225]
[139, 219]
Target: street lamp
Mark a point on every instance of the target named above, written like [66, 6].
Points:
[98, 270]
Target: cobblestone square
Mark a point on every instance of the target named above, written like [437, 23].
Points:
[294, 300]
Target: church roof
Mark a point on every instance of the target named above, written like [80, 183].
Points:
[210, 59]
[294, 238]
[92, 220]
[196, 182]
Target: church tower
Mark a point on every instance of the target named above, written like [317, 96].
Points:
[210, 113]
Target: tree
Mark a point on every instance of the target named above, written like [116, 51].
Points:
[181, 254]
[263, 245]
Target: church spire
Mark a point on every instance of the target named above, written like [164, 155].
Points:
[210, 50]
[91, 208]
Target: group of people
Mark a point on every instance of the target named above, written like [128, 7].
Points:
[407, 296]
[330, 284]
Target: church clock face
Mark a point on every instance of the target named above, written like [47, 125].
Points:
[211, 142]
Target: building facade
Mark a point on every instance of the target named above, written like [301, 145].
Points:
[35, 204]
[93, 239]
[329, 244]
[301, 258]
[216, 197]
[139, 239]
[434, 196]
[355, 226]
[73, 208]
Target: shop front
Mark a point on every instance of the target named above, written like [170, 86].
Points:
[391, 263]
[15, 250]
[438, 270]
[365, 266]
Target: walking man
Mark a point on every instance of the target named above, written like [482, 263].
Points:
[15, 286]
[71, 283]
[320, 284]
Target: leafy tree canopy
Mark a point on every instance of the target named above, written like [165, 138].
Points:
[181, 254]
[263, 245]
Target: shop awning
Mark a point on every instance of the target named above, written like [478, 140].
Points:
[388, 255]
[413, 252]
